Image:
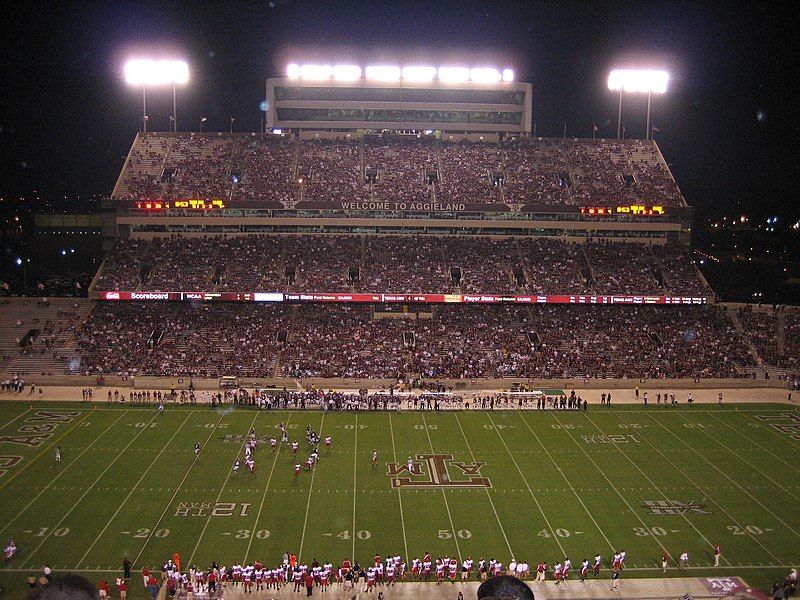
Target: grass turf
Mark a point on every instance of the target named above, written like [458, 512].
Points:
[562, 484]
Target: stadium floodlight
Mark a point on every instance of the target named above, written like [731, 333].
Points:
[638, 81]
[346, 72]
[145, 72]
[156, 72]
[293, 71]
[383, 73]
[508, 75]
[453, 74]
[315, 71]
[643, 81]
[485, 75]
[419, 73]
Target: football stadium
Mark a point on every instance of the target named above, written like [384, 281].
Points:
[397, 343]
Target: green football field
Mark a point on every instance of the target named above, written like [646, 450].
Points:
[532, 485]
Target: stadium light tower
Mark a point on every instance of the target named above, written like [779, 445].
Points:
[157, 73]
[642, 81]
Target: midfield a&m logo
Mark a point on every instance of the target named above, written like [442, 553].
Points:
[431, 470]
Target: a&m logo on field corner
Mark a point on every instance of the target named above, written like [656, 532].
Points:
[675, 507]
[431, 470]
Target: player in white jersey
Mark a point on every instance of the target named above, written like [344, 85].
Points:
[247, 450]
[584, 569]
[557, 572]
[522, 568]
[410, 465]
[295, 446]
[251, 465]
[370, 579]
[566, 569]
[498, 568]
[328, 442]
[374, 457]
[622, 555]
[416, 567]
[236, 465]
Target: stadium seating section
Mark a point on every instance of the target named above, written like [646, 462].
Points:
[447, 341]
[398, 264]
[265, 167]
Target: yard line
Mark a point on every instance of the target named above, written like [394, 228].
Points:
[733, 481]
[64, 470]
[527, 485]
[355, 470]
[89, 489]
[569, 483]
[311, 488]
[46, 449]
[705, 493]
[446, 503]
[264, 497]
[175, 493]
[399, 493]
[133, 489]
[488, 495]
[751, 440]
[221, 490]
[613, 487]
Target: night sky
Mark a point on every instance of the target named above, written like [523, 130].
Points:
[729, 122]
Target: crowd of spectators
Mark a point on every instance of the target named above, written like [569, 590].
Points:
[621, 268]
[763, 326]
[331, 171]
[398, 264]
[470, 173]
[401, 168]
[251, 262]
[397, 169]
[322, 262]
[405, 264]
[453, 341]
[198, 166]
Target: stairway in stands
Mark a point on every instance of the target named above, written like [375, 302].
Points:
[737, 324]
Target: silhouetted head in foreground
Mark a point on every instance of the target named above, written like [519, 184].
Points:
[67, 587]
[504, 587]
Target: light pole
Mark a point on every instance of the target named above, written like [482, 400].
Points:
[157, 73]
[144, 108]
[642, 81]
[24, 264]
